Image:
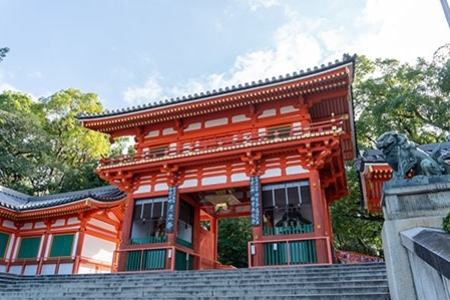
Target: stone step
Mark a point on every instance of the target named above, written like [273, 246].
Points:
[143, 278]
[335, 282]
[231, 292]
[208, 282]
[343, 296]
[198, 274]
[275, 270]
[76, 286]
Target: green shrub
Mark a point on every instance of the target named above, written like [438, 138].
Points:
[446, 222]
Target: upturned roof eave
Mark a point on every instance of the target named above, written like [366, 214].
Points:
[227, 92]
[59, 210]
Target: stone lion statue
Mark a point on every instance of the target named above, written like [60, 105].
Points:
[404, 156]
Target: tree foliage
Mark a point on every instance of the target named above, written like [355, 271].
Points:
[3, 52]
[43, 148]
[390, 95]
[412, 99]
[234, 235]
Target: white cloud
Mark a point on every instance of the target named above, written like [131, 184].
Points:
[385, 28]
[35, 74]
[257, 4]
[401, 29]
[7, 87]
[150, 92]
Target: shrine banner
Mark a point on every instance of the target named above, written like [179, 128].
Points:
[255, 192]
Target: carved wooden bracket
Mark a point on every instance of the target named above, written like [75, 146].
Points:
[125, 181]
[139, 136]
[252, 163]
[315, 156]
[172, 173]
[253, 111]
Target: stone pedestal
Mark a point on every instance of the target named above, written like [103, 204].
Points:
[420, 202]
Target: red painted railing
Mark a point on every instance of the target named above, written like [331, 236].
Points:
[98, 265]
[227, 141]
[287, 252]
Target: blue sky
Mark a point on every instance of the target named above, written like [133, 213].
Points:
[131, 52]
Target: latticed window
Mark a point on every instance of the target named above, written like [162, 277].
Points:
[287, 203]
[29, 247]
[62, 245]
[159, 151]
[149, 220]
[4, 238]
[185, 224]
[279, 132]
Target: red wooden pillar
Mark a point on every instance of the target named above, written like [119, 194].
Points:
[126, 231]
[84, 219]
[48, 223]
[320, 224]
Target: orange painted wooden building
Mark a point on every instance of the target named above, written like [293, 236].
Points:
[69, 233]
[272, 150]
[374, 172]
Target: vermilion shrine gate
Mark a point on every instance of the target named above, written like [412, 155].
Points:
[271, 150]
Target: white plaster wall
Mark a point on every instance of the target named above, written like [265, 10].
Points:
[49, 242]
[98, 249]
[89, 269]
[65, 268]
[10, 245]
[268, 113]
[102, 224]
[288, 109]
[27, 226]
[2, 268]
[214, 180]
[168, 131]
[15, 269]
[48, 269]
[161, 187]
[59, 222]
[9, 224]
[239, 177]
[189, 183]
[143, 189]
[30, 270]
[153, 133]
[216, 122]
[295, 170]
[239, 118]
[73, 221]
[272, 173]
[193, 126]
[39, 225]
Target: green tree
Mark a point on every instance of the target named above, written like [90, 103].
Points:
[3, 52]
[412, 99]
[234, 235]
[390, 95]
[43, 148]
[24, 145]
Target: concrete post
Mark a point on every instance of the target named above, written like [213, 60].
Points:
[419, 202]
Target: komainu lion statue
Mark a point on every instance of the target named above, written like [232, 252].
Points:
[404, 156]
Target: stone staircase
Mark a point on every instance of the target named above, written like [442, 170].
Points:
[356, 281]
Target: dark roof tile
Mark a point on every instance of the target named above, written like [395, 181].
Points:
[20, 202]
[346, 59]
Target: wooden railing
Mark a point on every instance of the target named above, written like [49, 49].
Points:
[285, 230]
[290, 251]
[164, 258]
[148, 240]
[226, 141]
[98, 265]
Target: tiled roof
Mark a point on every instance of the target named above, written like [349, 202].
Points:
[20, 202]
[240, 87]
[377, 157]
